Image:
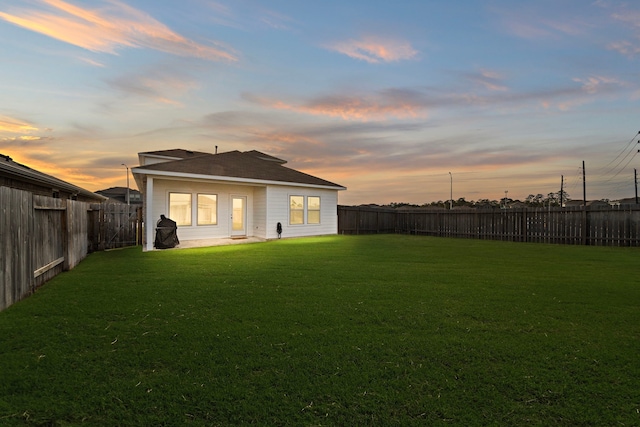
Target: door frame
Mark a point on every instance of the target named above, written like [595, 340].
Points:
[243, 232]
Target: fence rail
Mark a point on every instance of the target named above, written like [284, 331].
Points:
[599, 226]
[41, 236]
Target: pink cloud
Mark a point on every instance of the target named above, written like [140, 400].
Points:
[109, 29]
[376, 107]
[375, 50]
[625, 47]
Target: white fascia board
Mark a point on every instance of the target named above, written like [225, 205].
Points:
[231, 179]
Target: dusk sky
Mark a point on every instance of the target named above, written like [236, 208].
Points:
[385, 98]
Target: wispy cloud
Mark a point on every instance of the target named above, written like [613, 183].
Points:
[590, 88]
[110, 28]
[630, 19]
[485, 92]
[490, 80]
[161, 85]
[373, 49]
[91, 62]
[13, 125]
[381, 106]
[529, 23]
[247, 16]
[276, 20]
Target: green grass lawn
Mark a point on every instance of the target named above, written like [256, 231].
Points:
[342, 330]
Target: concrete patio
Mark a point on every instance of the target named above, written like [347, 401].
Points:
[201, 243]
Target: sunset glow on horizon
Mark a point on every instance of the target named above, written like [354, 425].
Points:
[398, 102]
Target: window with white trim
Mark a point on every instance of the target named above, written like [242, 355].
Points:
[313, 210]
[296, 210]
[180, 208]
[207, 209]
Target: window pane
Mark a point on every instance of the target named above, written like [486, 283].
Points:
[313, 210]
[207, 209]
[180, 208]
[296, 209]
[313, 217]
[314, 203]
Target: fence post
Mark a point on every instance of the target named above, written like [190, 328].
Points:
[585, 227]
[66, 250]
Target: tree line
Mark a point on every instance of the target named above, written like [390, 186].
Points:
[532, 200]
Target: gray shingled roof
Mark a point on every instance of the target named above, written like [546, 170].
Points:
[20, 172]
[246, 165]
[178, 153]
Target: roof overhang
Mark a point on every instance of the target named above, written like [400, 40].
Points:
[223, 179]
[40, 179]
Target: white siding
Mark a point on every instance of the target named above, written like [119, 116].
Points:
[162, 188]
[278, 211]
[266, 206]
[260, 212]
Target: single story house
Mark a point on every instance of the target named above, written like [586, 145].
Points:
[233, 195]
[22, 177]
[122, 195]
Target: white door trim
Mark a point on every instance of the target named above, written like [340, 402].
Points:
[238, 225]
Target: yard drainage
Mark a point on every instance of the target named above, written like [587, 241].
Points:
[166, 233]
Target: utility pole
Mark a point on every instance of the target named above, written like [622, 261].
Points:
[451, 192]
[561, 190]
[584, 186]
[635, 180]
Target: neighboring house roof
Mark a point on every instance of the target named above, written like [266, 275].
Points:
[251, 166]
[517, 204]
[627, 201]
[120, 194]
[594, 203]
[18, 173]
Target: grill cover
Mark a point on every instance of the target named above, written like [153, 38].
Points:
[166, 233]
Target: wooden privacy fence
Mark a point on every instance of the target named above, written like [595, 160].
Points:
[42, 236]
[599, 226]
[114, 225]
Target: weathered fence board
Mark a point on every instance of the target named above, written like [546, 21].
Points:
[41, 236]
[17, 269]
[602, 227]
[48, 226]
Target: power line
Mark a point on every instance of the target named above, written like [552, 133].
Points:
[575, 180]
[619, 154]
[623, 168]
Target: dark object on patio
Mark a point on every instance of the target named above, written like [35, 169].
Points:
[166, 233]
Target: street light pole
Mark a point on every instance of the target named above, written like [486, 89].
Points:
[128, 195]
[451, 192]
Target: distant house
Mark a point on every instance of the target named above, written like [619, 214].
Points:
[592, 204]
[120, 194]
[631, 201]
[516, 204]
[16, 175]
[233, 195]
